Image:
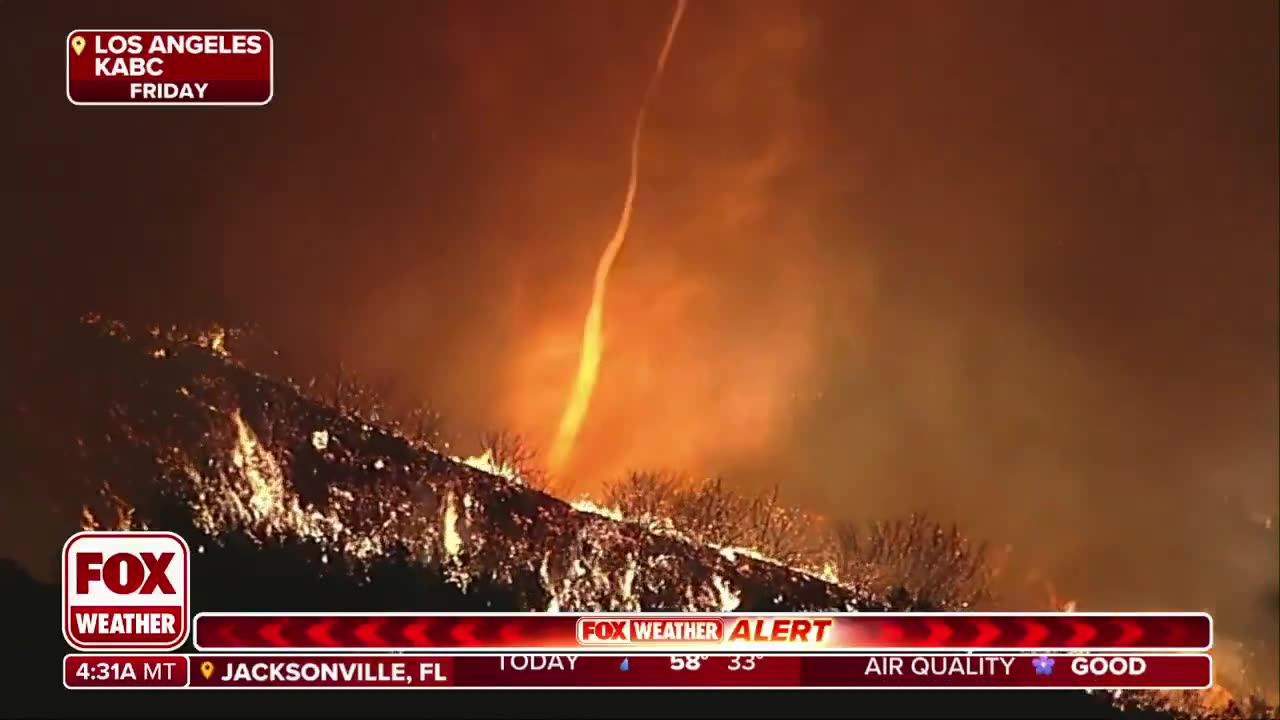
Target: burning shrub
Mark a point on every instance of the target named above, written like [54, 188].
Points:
[508, 454]
[714, 514]
[645, 497]
[710, 512]
[782, 531]
[923, 564]
[930, 565]
[422, 426]
[346, 392]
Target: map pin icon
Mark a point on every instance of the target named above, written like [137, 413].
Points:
[77, 44]
[206, 669]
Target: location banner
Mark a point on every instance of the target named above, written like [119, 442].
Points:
[170, 67]
[1010, 671]
[778, 633]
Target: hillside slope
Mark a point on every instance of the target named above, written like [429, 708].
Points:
[291, 506]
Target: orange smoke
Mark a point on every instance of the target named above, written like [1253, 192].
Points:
[584, 383]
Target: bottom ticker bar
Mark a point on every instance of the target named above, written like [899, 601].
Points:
[1020, 671]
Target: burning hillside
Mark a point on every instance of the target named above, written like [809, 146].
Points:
[322, 510]
[241, 456]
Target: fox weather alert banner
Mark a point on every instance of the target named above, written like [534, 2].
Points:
[129, 594]
[775, 633]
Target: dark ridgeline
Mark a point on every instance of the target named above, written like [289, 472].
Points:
[181, 436]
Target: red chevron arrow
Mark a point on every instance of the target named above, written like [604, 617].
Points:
[227, 634]
[367, 633]
[271, 633]
[1083, 633]
[1036, 633]
[416, 633]
[318, 633]
[890, 634]
[510, 632]
[463, 633]
[987, 631]
[1132, 631]
[939, 631]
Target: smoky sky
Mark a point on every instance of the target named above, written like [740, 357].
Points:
[1014, 264]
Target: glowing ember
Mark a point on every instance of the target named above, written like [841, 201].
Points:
[729, 599]
[452, 538]
[320, 440]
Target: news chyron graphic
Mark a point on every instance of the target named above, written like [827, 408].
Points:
[170, 67]
[705, 632]
[130, 591]
[126, 591]
[395, 671]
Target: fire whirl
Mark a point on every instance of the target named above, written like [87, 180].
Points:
[593, 326]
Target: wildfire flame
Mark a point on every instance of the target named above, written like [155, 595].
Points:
[584, 383]
[485, 462]
[236, 482]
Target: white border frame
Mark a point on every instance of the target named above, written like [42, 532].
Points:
[115, 648]
[195, 103]
[294, 658]
[708, 648]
